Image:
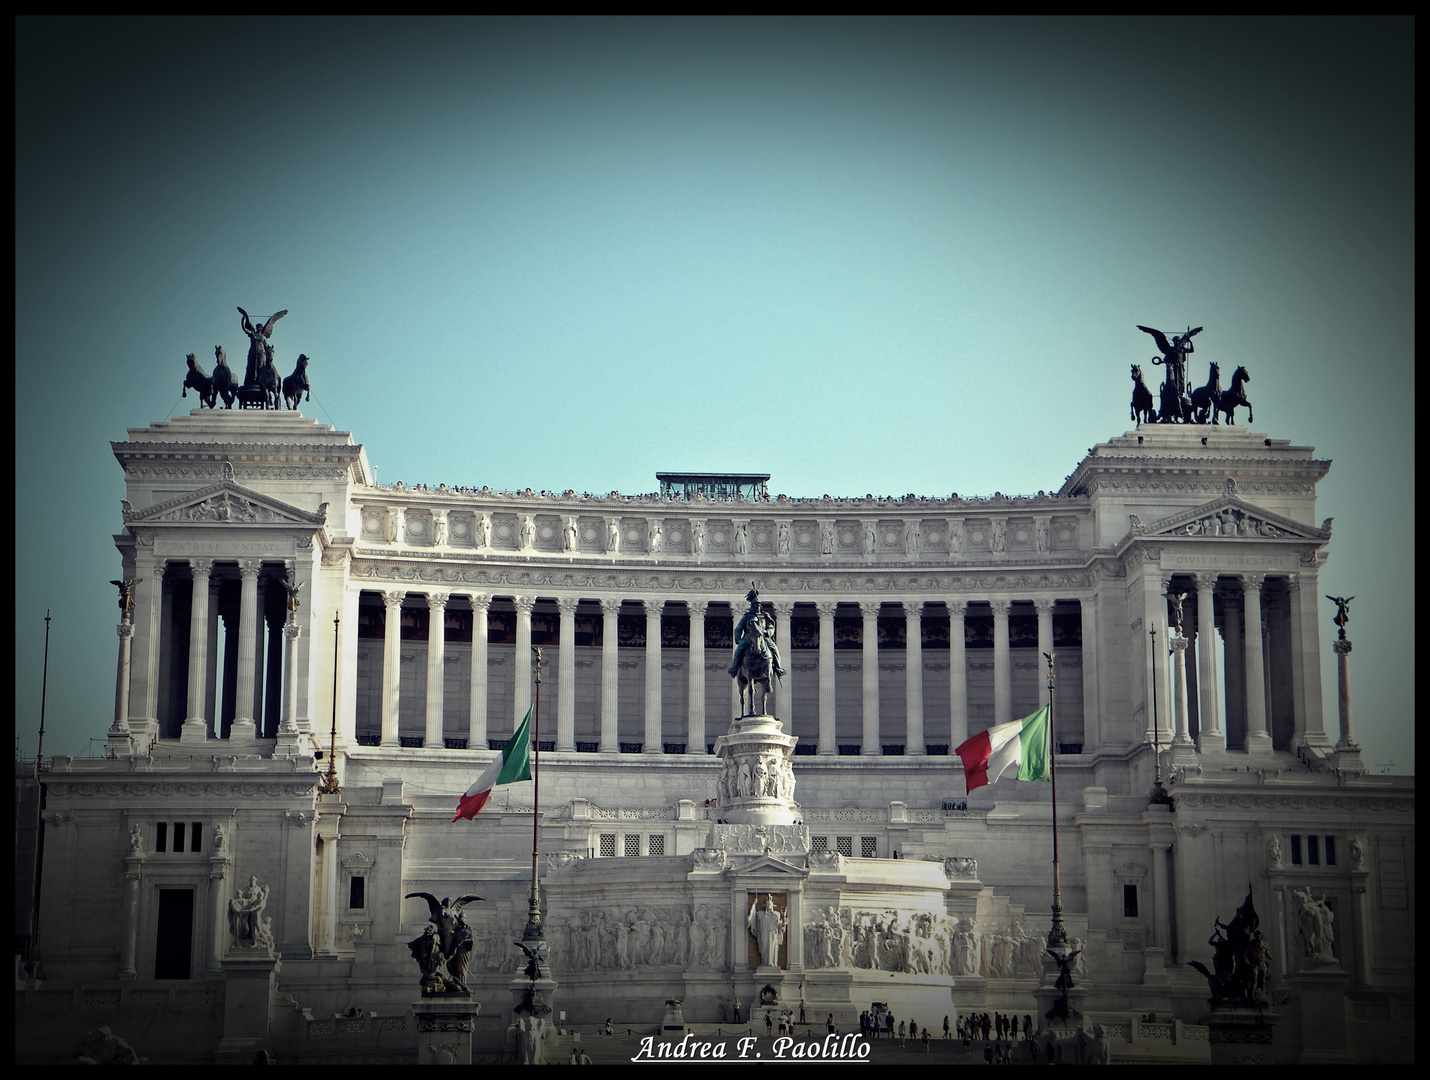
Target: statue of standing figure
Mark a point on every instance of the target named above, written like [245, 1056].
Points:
[257, 340]
[768, 924]
[1316, 917]
[244, 914]
[1342, 619]
[1174, 355]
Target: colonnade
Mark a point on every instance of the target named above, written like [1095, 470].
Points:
[695, 740]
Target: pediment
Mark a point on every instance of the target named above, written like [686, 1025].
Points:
[228, 504]
[1227, 517]
[770, 866]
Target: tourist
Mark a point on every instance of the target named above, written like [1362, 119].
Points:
[737, 1012]
[769, 1023]
[902, 1033]
[802, 1020]
[913, 1029]
[945, 1028]
[608, 1026]
[830, 1023]
[926, 1040]
[1027, 1026]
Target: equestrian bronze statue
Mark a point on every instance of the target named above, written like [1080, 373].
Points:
[757, 657]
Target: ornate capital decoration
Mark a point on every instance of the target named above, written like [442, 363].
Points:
[291, 631]
[1178, 644]
[201, 567]
[249, 567]
[1341, 645]
[870, 608]
[826, 608]
[783, 608]
[697, 608]
[437, 601]
[393, 598]
[610, 608]
[653, 608]
[524, 604]
[1043, 607]
[1206, 582]
[126, 630]
[957, 609]
[480, 601]
[913, 609]
[1252, 582]
[1000, 606]
[567, 604]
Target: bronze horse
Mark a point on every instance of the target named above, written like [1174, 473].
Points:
[1143, 411]
[268, 379]
[296, 385]
[1206, 398]
[1176, 408]
[223, 383]
[1235, 396]
[754, 669]
[198, 380]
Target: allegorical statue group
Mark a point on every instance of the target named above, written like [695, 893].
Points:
[261, 387]
[1176, 404]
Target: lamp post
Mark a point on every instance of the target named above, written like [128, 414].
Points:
[330, 782]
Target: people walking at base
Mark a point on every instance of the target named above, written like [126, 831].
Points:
[945, 1029]
[1027, 1026]
[902, 1033]
[926, 1040]
[830, 1023]
[609, 1030]
[737, 1012]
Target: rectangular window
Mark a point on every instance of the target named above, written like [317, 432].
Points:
[633, 844]
[844, 845]
[161, 836]
[1313, 850]
[819, 843]
[869, 847]
[1295, 851]
[178, 837]
[174, 941]
[357, 889]
[608, 845]
[1330, 851]
[657, 845]
[1129, 901]
[196, 836]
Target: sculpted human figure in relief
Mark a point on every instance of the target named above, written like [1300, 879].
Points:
[768, 925]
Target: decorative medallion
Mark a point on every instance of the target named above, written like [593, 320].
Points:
[372, 523]
[934, 536]
[719, 536]
[588, 534]
[503, 530]
[1021, 536]
[632, 535]
[460, 526]
[545, 532]
[416, 526]
[762, 537]
[976, 536]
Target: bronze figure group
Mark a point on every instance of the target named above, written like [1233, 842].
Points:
[262, 388]
[1174, 404]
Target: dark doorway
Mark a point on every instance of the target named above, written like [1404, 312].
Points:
[174, 943]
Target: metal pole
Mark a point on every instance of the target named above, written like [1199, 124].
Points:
[533, 929]
[1058, 935]
[1159, 794]
[33, 959]
[330, 783]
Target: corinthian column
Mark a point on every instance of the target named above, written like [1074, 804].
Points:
[436, 658]
[120, 728]
[477, 710]
[652, 738]
[610, 673]
[1044, 609]
[957, 675]
[828, 743]
[522, 695]
[784, 697]
[244, 728]
[391, 663]
[1002, 665]
[566, 675]
[914, 678]
[1258, 738]
[1209, 730]
[129, 944]
[695, 707]
[871, 747]
[195, 727]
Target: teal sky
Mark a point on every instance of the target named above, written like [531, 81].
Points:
[863, 256]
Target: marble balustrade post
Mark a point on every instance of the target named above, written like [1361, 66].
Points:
[391, 663]
[610, 674]
[871, 743]
[695, 707]
[1258, 736]
[784, 691]
[1210, 735]
[914, 678]
[195, 728]
[1002, 663]
[651, 739]
[566, 674]
[522, 691]
[1044, 609]
[957, 674]
[244, 727]
[477, 708]
[828, 744]
[436, 677]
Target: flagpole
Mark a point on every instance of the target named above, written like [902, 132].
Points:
[1057, 935]
[1159, 794]
[533, 929]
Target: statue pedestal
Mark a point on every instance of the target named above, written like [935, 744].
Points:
[673, 1024]
[250, 978]
[1325, 1034]
[756, 785]
[444, 1029]
[1240, 1035]
[531, 1026]
[1054, 1020]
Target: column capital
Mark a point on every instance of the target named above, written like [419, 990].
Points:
[783, 607]
[524, 604]
[913, 609]
[480, 601]
[1000, 605]
[870, 608]
[1043, 607]
[567, 604]
[697, 608]
[437, 601]
[1178, 644]
[1251, 582]
[1293, 582]
[1341, 646]
[610, 607]
[653, 608]
[249, 567]
[826, 607]
[125, 629]
[393, 598]
[1166, 581]
[160, 565]
[1206, 582]
[957, 608]
[291, 631]
[200, 566]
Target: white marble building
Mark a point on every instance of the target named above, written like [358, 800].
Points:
[906, 624]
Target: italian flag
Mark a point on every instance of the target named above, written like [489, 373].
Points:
[513, 765]
[1019, 744]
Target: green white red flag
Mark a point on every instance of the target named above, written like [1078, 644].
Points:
[513, 765]
[1020, 745]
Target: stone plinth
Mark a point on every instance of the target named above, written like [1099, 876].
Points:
[250, 984]
[444, 1029]
[1325, 1034]
[756, 785]
[1241, 1035]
